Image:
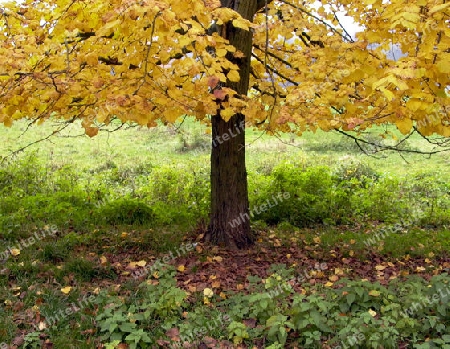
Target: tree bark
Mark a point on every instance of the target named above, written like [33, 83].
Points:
[230, 215]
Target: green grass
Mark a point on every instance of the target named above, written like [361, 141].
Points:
[141, 147]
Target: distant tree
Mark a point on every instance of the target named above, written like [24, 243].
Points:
[276, 65]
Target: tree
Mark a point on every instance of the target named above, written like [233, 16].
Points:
[276, 65]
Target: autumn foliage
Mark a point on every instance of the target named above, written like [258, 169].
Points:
[144, 61]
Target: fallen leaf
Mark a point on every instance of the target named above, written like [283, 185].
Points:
[15, 251]
[173, 334]
[334, 278]
[141, 263]
[66, 290]
[222, 295]
[208, 292]
[103, 260]
[181, 268]
[338, 271]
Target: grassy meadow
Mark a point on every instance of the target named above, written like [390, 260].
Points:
[100, 243]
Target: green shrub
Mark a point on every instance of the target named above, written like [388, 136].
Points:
[381, 201]
[185, 189]
[311, 198]
[351, 173]
[125, 211]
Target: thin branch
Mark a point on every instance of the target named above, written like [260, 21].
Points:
[17, 151]
[316, 18]
[342, 27]
[275, 71]
[149, 46]
[389, 147]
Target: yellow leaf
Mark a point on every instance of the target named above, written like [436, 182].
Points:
[338, 271]
[388, 94]
[233, 76]
[374, 293]
[439, 8]
[317, 240]
[66, 290]
[414, 104]
[328, 284]
[103, 260]
[217, 259]
[241, 23]
[172, 114]
[15, 251]
[207, 292]
[443, 66]
[404, 125]
[124, 235]
[181, 268]
[373, 313]
[380, 267]
[224, 15]
[141, 263]
[92, 59]
[227, 113]
[221, 52]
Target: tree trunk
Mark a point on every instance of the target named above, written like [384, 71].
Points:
[230, 215]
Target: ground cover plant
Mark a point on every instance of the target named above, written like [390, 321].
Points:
[100, 251]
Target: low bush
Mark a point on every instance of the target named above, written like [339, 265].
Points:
[125, 211]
